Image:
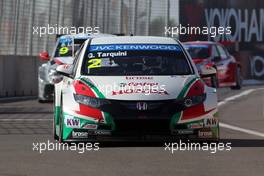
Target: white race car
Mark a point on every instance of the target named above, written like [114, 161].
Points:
[64, 51]
[132, 85]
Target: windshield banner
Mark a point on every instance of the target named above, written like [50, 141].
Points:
[127, 47]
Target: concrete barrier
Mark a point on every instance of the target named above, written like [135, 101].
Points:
[18, 76]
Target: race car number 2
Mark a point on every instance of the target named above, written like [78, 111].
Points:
[94, 63]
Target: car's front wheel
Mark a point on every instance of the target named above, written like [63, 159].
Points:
[61, 123]
[55, 136]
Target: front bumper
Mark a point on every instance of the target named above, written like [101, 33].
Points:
[130, 129]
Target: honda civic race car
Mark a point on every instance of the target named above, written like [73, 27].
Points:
[132, 85]
[63, 53]
[212, 54]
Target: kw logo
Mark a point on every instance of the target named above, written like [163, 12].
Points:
[73, 123]
[212, 122]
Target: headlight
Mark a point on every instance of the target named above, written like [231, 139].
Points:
[194, 100]
[90, 101]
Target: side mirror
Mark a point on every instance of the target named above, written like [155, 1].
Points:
[65, 70]
[44, 55]
[217, 59]
[207, 71]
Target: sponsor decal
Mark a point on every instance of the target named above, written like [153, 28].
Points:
[210, 122]
[195, 125]
[132, 91]
[66, 41]
[86, 134]
[140, 87]
[102, 132]
[139, 90]
[139, 77]
[107, 54]
[90, 126]
[183, 131]
[79, 134]
[129, 47]
[71, 122]
[139, 84]
[205, 133]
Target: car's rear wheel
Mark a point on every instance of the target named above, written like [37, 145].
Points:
[214, 81]
[238, 80]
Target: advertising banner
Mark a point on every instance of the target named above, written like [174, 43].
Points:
[245, 20]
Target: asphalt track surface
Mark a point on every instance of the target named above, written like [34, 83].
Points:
[23, 123]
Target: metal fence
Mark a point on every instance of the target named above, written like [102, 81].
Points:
[140, 17]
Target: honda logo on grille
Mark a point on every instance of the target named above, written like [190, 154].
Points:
[142, 106]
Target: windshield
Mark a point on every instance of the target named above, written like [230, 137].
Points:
[198, 51]
[65, 47]
[135, 59]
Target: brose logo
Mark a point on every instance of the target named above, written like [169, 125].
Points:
[79, 134]
[205, 133]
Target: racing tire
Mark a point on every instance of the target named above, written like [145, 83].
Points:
[61, 124]
[44, 101]
[55, 136]
[41, 101]
[238, 80]
[218, 137]
[214, 81]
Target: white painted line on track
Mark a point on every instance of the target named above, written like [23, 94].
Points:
[247, 131]
[244, 93]
[236, 128]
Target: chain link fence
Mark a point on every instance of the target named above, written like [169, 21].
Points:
[138, 17]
